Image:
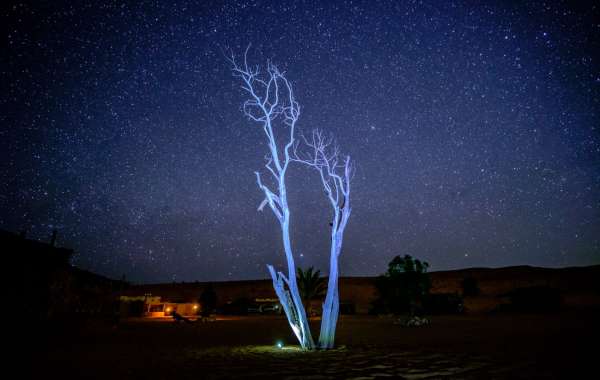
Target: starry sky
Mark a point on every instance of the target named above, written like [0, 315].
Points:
[473, 126]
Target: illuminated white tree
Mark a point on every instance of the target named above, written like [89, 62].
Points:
[271, 97]
[323, 155]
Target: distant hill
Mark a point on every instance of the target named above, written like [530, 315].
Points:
[579, 287]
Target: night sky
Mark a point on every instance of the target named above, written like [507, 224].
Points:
[474, 129]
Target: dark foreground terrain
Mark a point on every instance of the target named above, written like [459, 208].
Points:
[455, 347]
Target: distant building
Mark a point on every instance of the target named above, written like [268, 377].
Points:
[46, 286]
[235, 297]
[155, 306]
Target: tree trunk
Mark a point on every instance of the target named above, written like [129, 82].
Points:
[331, 306]
[290, 299]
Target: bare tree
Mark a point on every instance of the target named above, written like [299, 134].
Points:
[322, 154]
[270, 99]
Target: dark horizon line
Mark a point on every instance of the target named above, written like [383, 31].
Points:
[467, 269]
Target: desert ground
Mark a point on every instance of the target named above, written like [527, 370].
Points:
[501, 346]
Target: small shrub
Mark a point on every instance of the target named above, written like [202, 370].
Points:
[208, 300]
[470, 287]
[443, 303]
[238, 306]
[534, 299]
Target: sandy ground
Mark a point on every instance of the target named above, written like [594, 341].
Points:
[452, 347]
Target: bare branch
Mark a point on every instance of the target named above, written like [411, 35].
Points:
[270, 96]
[270, 198]
[323, 155]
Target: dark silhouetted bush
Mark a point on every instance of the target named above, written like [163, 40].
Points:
[347, 308]
[535, 299]
[238, 306]
[208, 300]
[403, 287]
[443, 303]
[470, 287]
[136, 308]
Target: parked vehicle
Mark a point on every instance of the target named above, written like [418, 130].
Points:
[271, 309]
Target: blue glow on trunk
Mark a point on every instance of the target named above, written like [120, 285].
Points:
[272, 97]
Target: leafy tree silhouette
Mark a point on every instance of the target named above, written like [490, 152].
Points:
[208, 300]
[311, 286]
[404, 286]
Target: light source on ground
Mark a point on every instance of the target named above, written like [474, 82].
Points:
[279, 344]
